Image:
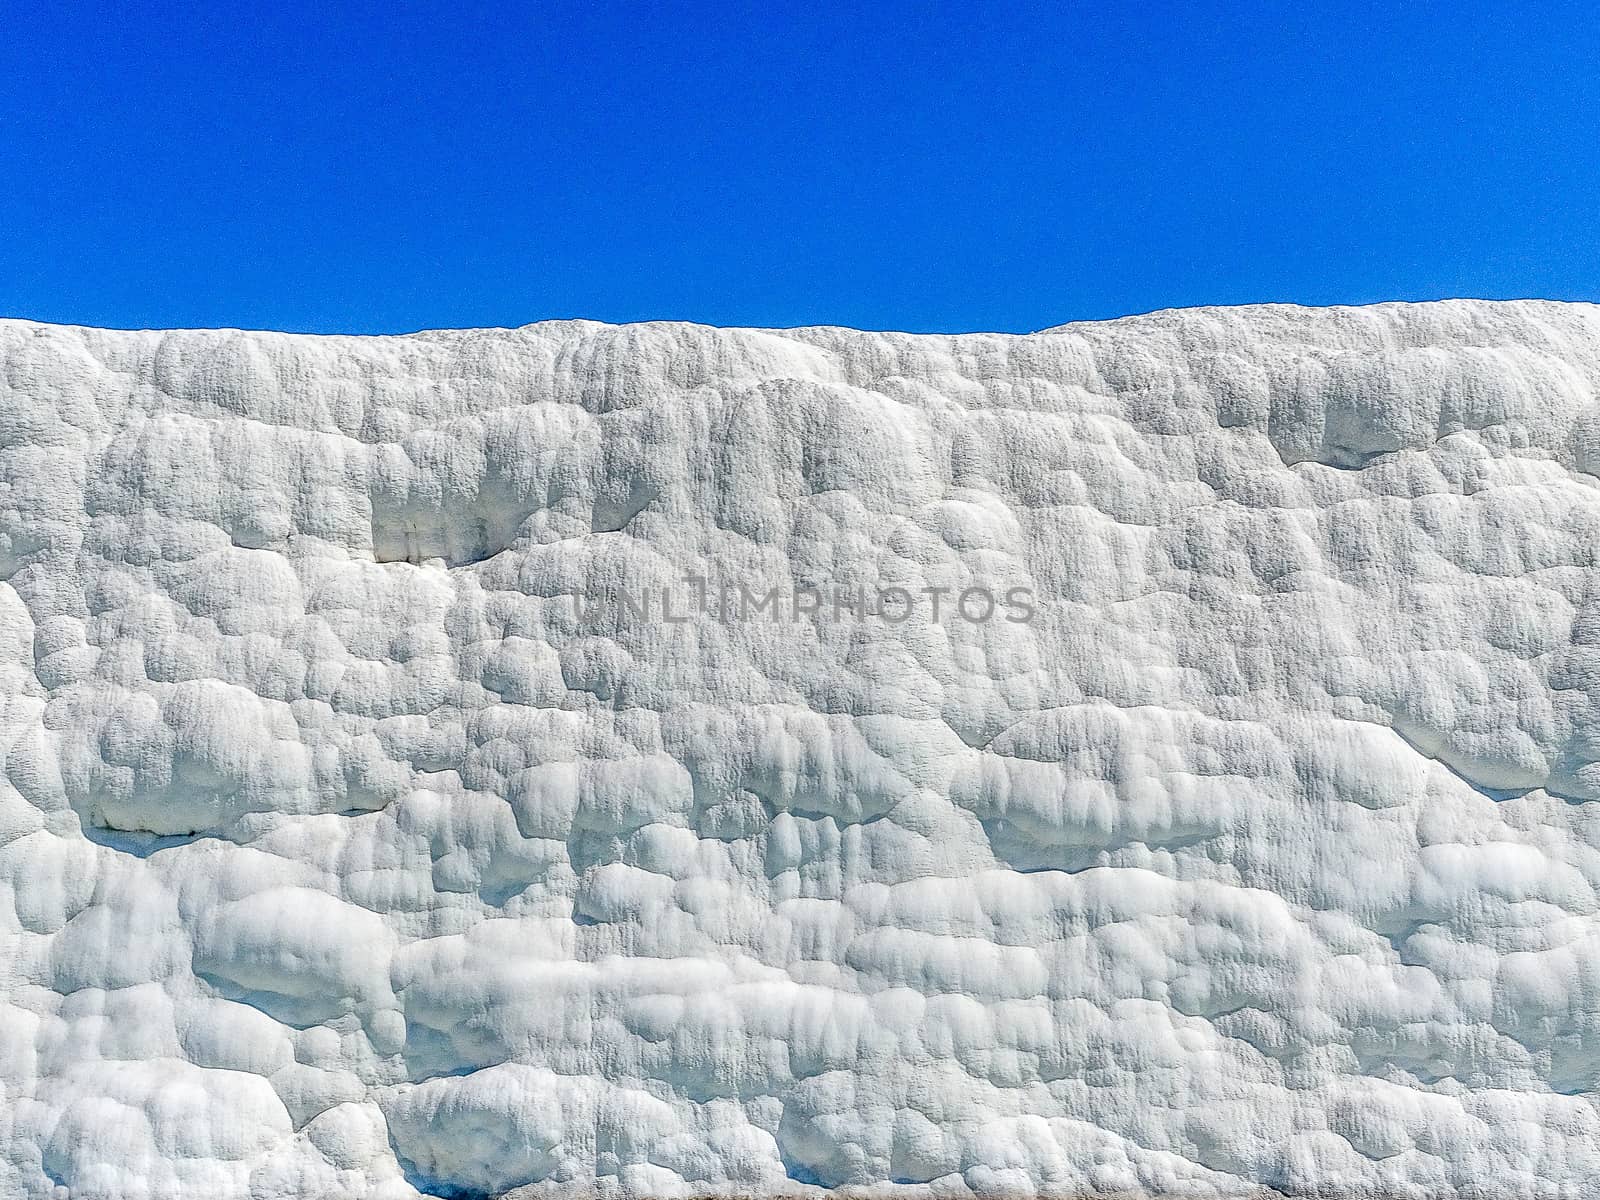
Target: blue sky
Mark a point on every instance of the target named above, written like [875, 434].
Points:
[921, 167]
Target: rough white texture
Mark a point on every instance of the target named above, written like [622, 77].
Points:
[341, 858]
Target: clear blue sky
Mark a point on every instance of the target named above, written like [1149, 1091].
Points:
[885, 165]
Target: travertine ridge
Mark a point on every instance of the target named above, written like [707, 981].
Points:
[358, 839]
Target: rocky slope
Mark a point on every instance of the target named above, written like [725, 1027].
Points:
[584, 756]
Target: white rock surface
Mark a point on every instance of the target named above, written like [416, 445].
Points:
[344, 854]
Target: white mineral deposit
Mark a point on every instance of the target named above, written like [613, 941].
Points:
[1154, 757]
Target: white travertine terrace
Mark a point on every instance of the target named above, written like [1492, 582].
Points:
[345, 854]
